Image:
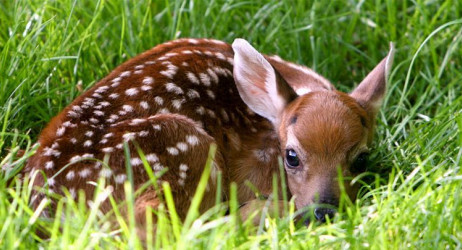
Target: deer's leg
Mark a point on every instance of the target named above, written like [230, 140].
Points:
[176, 149]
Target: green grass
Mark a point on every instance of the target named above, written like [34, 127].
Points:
[412, 197]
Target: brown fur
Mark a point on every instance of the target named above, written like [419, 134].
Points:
[204, 110]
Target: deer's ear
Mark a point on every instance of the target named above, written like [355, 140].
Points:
[259, 85]
[372, 89]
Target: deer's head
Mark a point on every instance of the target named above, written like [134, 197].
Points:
[320, 132]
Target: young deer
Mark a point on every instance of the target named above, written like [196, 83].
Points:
[177, 99]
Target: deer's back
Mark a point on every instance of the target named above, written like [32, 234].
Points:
[168, 100]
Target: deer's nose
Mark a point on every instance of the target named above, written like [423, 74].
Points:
[321, 213]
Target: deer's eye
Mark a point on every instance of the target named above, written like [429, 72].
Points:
[292, 160]
[360, 163]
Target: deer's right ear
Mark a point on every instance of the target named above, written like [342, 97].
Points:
[371, 90]
[259, 85]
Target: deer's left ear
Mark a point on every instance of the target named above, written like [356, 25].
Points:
[372, 89]
[260, 86]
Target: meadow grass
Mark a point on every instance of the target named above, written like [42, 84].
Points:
[411, 198]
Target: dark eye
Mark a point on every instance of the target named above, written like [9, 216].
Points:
[292, 160]
[360, 163]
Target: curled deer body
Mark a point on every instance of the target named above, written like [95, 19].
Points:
[175, 100]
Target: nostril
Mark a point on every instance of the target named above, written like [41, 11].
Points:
[322, 212]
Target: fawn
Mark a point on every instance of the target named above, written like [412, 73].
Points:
[176, 100]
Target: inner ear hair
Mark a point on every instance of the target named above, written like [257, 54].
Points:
[287, 92]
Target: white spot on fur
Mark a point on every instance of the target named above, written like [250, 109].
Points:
[144, 104]
[193, 78]
[136, 161]
[211, 94]
[120, 178]
[70, 175]
[75, 158]
[138, 72]
[94, 120]
[87, 143]
[171, 54]
[192, 140]
[213, 75]
[49, 164]
[173, 151]
[127, 108]
[148, 80]
[183, 175]
[107, 150]
[183, 167]
[77, 108]
[211, 113]
[156, 127]
[152, 158]
[115, 84]
[146, 88]
[60, 131]
[159, 100]
[98, 113]
[73, 114]
[164, 111]
[114, 117]
[193, 94]
[105, 173]
[173, 88]
[69, 124]
[88, 156]
[105, 104]
[158, 167]
[200, 110]
[205, 79]
[96, 95]
[177, 103]
[73, 140]
[131, 91]
[216, 41]
[129, 136]
[85, 173]
[220, 56]
[136, 121]
[114, 96]
[101, 90]
[125, 74]
[193, 41]
[51, 182]
[170, 72]
[183, 147]
[143, 133]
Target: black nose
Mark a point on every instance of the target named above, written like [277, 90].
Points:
[321, 213]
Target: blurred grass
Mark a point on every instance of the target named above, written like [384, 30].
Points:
[49, 48]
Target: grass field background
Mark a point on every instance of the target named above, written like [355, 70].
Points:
[50, 50]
